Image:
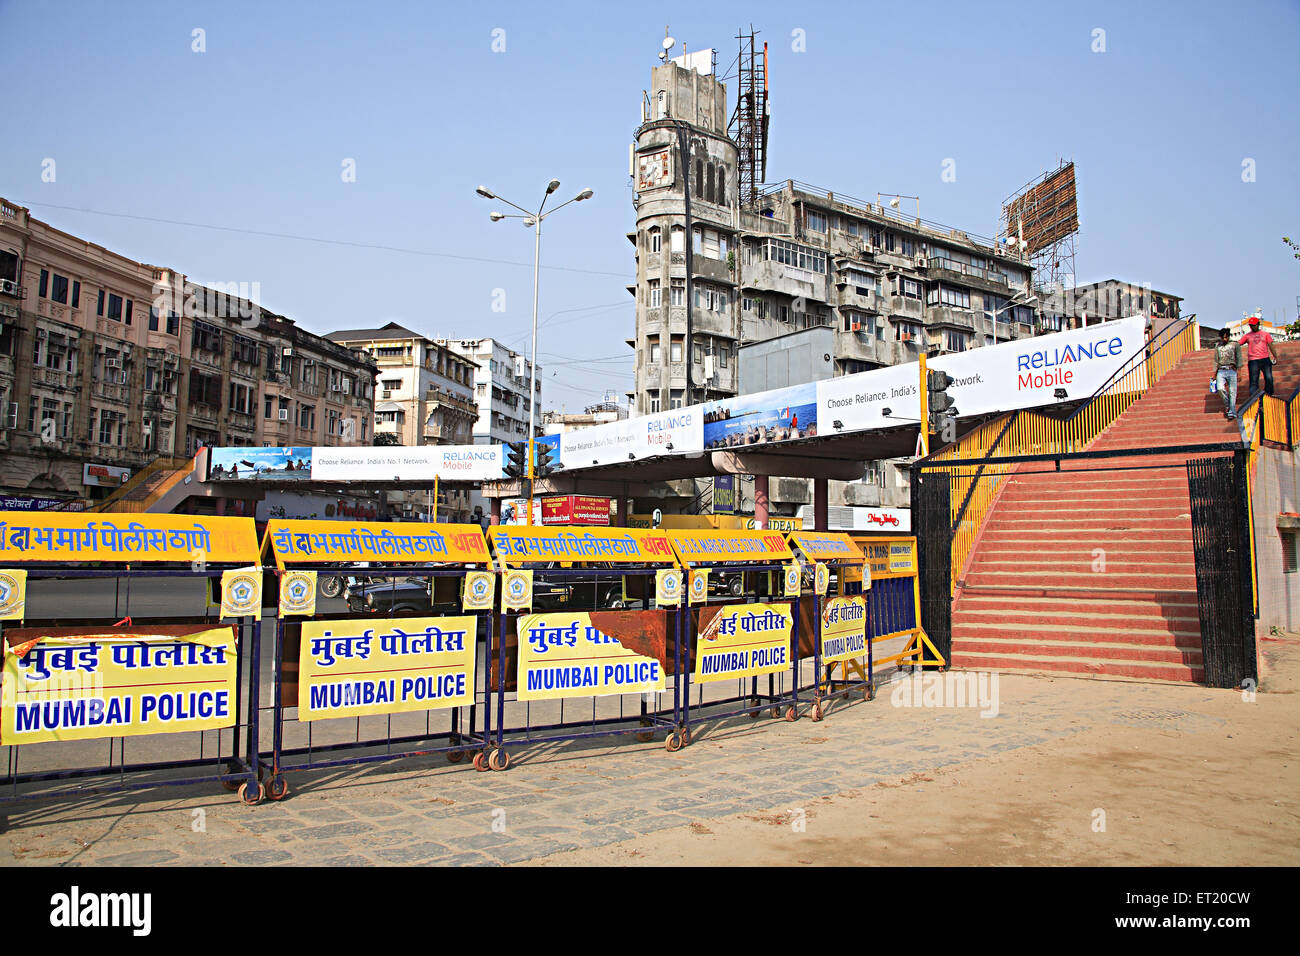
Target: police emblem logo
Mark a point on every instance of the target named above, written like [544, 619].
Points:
[12, 594]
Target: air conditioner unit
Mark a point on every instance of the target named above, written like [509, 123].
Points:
[40, 335]
[112, 363]
[388, 393]
[336, 388]
[921, 262]
[9, 287]
[284, 414]
[856, 325]
[287, 350]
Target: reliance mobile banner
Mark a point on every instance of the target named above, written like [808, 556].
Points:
[1012, 375]
[645, 437]
[358, 463]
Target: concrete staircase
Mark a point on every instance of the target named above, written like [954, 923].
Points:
[1089, 571]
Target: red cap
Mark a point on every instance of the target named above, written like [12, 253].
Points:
[1254, 320]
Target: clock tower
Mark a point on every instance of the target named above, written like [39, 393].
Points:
[684, 177]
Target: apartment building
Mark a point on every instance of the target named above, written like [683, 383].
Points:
[501, 384]
[107, 363]
[424, 396]
[713, 273]
[424, 390]
[1110, 299]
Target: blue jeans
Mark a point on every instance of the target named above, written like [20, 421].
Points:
[1264, 365]
[1226, 380]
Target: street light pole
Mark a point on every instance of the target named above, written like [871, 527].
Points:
[533, 219]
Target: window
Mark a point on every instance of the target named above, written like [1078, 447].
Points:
[45, 283]
[816, 221]
[173, 324]
[746, 303]
[721, 194]
[129, 304]
[676, 398]
[698, 354]
[955, 341]
[654, 349]
[947, 295]
[907, 246]
[656, 239]
[907, 331]
[99, 305]
[1289, 562]
[656, 294]
[205, 389]
[76, 295]
[206, 338]
[241, 398]
[908, 288]
[153, 319]
[244, 350]
[654, 403]
[724, 354]
[675, 354]
[115, 307]
[307, 416]
[112, 427]
[709, 181]
[678, 291]
[266, 408]
[697, 240]
[678, 239]
[699, 182]
[788, 253]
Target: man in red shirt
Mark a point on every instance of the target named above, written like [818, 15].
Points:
[1260, 355]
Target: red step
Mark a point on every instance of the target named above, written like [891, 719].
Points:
[1079, 667]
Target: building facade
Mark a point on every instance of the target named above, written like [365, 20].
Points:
[1115, 299]
[713, 274]
[107, 363]
[602, 413]
[501, 384]
[424, 395]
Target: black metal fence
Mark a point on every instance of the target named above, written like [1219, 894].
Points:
[1221, 542]
[932, 524]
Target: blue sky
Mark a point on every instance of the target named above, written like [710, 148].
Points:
[252, 135]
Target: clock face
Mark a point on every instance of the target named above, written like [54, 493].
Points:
[653, 170]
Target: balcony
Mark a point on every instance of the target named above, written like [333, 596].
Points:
[768, 276]
[862, 346]
[711, 323]
[850, 298]
[54, 378]
[906, 307]
[948, 317]
[711, 270]
[447, 400]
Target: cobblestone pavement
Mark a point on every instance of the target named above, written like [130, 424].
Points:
[558, 797]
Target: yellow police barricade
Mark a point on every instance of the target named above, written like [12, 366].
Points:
[745, 592]
[894, 615]
[96, 648]
[587, 614]
[364, 676]
[833, 624]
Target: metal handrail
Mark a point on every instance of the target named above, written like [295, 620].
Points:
[1144, 354]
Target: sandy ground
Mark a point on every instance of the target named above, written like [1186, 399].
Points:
[1201, 778]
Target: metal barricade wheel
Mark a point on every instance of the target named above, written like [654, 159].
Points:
[455, 756]
[673, 743]
[481, 760]
[645, 736]
[776, 713]
[251, 797]
[757, 711]
[277, 788]
[870, 692]
[499, 759]
[817, 712]
[791, 714]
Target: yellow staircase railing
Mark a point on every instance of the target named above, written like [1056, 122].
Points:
[118, 500]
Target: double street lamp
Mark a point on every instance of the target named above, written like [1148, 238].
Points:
[534, 221]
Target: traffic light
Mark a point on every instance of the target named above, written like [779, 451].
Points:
[517, 459]
[544, 465]
[938, 401]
